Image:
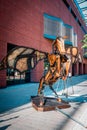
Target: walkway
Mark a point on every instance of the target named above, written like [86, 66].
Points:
[17, 112]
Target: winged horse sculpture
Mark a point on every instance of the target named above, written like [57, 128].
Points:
[24, 58]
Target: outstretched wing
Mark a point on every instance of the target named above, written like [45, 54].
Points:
[22, 59]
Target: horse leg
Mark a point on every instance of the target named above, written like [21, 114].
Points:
[44, 80]
[41, 86]
[59, 99]
[70, 78]
[65, 87]
[53, 90]
[67, 67]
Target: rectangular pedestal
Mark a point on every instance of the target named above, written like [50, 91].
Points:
[49, 103]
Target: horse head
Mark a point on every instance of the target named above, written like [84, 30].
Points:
[74, 53]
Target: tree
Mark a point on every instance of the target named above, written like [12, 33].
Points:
[84, 41]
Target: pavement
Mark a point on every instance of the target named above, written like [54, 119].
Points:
[17, 113]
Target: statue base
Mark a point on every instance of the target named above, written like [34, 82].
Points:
[48, 103]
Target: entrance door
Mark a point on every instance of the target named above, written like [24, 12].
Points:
[80, 68]
[84, 71]
[74, 69]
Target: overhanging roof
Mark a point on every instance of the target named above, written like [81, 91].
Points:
[82, 8]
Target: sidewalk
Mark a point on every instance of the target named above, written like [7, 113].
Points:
[17, 112]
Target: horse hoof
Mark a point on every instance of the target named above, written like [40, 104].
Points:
[59, 100]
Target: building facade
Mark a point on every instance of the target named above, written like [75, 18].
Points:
[36, 24]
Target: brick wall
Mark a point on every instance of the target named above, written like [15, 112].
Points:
[21, 23]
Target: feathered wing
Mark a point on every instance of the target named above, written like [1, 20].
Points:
[22, 59]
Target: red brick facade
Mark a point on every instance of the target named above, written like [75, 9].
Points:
[21, 23]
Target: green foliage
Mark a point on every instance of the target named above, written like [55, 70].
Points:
[84, 46]
[84, 41]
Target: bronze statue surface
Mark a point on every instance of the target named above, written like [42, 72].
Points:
[59, 64]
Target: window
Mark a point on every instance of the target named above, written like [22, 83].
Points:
[52, 26]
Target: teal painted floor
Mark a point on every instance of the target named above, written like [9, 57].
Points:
[18, 95]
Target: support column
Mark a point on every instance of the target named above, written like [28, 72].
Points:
[3, 52]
